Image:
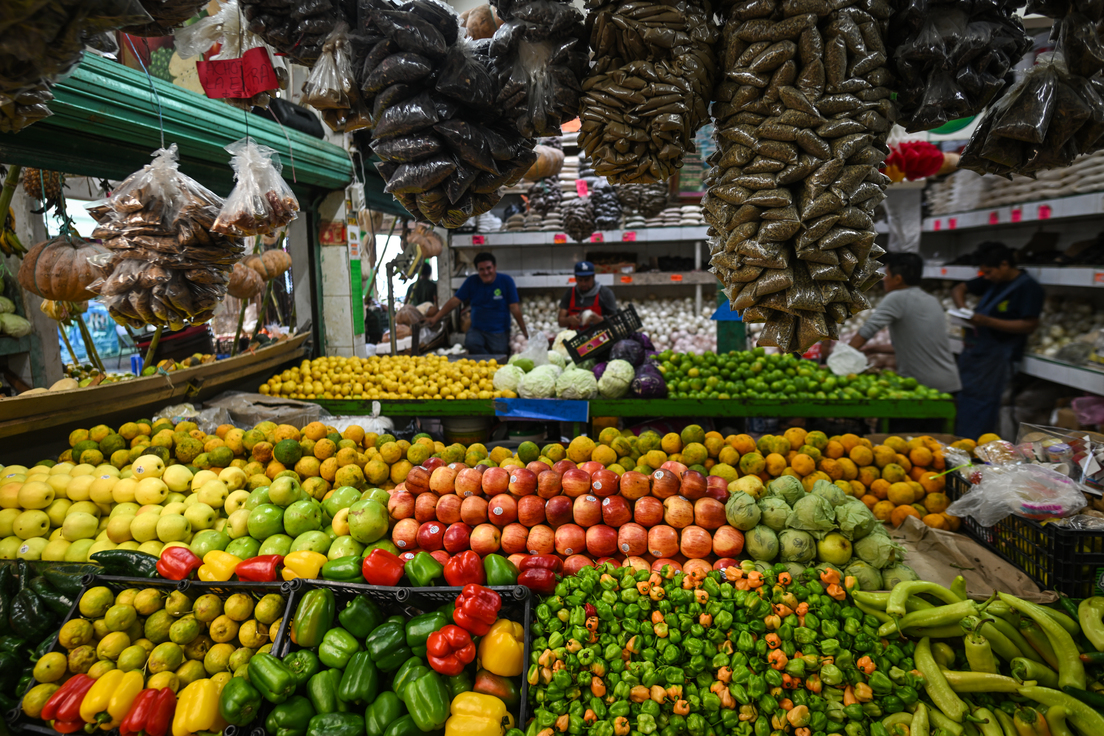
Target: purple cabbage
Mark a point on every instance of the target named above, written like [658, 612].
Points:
[628, 350]
[599, 369]
[645, 342]
[648, 383]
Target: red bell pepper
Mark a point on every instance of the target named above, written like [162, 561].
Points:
[464, 569]
[178, 563]
[151, 714]
[538, 579]
[449, 649]
[544, 562]
[64, 705]
[382, 568]
[476, 609]
[263, 569]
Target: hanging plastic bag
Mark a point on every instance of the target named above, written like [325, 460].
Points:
[332, 87]
[1030, 491]
[261, 202]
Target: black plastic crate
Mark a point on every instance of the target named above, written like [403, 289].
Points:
[1067, 561]
[596, 342]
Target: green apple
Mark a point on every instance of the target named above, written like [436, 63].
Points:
[57, 511]
[125, 509]
[175, 497]
[85, 507]
[237, 525]
[80, 526]
[55, 550]
[214, 493]
[31, 549]
[9, 547]
[152, 547]
[207, 540]
[341, 498]
[284, 491]
[151, 490]
[173, 528]
[311, 542]
[344, 547]
[7, 521]
[100, 546]
[257, 497]
[367, 521]
[143, 528]
[233, 477]
[33, 523]
[131, 545]
[303, 516]
[236, 500]
[78, 550]
[834, 548]
[178, 478]
[200, 516]
[118, 529]
[244, 547]
[220, 525]
[191, 499]
[173, 508]
[277, 544]
[202, 477]
[265, 521]
[378, 495]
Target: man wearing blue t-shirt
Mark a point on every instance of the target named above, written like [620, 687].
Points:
[493, 297]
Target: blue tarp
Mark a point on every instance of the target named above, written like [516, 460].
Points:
[102, 329]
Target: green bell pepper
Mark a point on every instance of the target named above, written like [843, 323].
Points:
[322, 691]
[239, 702]
[336, 724]
[423, 570]
[427, 699]
[384, 710]
[406, 726]
[344, 569]
[500, 571]
[313, 618]
[414, 673]
[304, 664]
[457, 684]
[387, 646]
[360, 682]
[290, 718]
[419, 628]
[338, 645]
[274, 679]
[360, 617]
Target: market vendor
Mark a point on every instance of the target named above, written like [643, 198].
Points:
[493, 297]
[586, 303]
[1007, 312]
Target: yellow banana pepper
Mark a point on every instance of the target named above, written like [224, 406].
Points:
[502, 650]
[475, 714]
[303, 564]
[197, 709]
[107, 703]
[217, 567]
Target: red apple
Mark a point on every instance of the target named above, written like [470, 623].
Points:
[458, 466]
[537, 467]
[636, 563]
[502, 510]
[473, 510]
[635, 485]
[399, 487]
[563, 466]
[495, 481]
[663, 541]
[632, 539]
[587, 510]
[441, 482]
[678, 512]
[664, 484]
[408, 555]
[616, 511]
[709, 513]
[695, 542]
[515, 538]
[425, 507]
[724, 563]
[601, 540]
[542, 540]
[648, 511]
[728, 541]
[570, 538]
[432, 463]
[697, 568]
[441, 556]
[591, 466]
[675, 467]
[604, 483]
[517, 559]
[548, 484]
[575, 482]
[485, 539]
[523, 482]
[469, 482]
[431, 535]
[530, 510]
[717, 487]
[659, 564]
[401, 505]
[417, 480]
[558, 511]
[457, 538]
[448, 509]
[481, 467]
[405, 534]
[575, 563]
[603, 560]
[693, 485]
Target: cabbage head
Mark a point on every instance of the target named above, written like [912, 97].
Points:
[796, 545]
[761, 543]
[812, 514]
[787, 487]
[795, 569]
[775, 511]
[854, 519]
[539, 384]
[507, 378]
[742, 511]
[616, 379]
[878, 550]
[558, 343]
[576, 384]
[867, 576]
[897, 574]
[830, 492]
[554, 358]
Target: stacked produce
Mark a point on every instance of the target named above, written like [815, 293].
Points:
[649, 90]
[802, 119]
[167, 267]
[386, 377]
[298, 30]
[606, 206]
[647, 200]
[556, 375]
[578, 218]
[1068, 330]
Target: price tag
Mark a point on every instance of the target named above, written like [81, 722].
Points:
[244, 77]
[581, 187]
[628, 237]
[478, 240]
[626, 279]
[571, 279]
[559, 238]
[994, 218]
[257, 72]
[952, 223]
[1045, 212]
[333, 233]
[1017, 214]
[1098, 277]
[596, 237]
[937, 225]
[943, 272]
[676, 277]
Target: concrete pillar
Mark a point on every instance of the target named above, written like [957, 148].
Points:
[339, 302]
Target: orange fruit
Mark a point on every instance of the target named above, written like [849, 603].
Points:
[810, 480]
[987, 438]
[714, 434]
[817, 439]
[938, 461]
[315, 431]
[775, 464]
[844, 486]
[868, 474]
[897, 516]
[792, 473]
[883, 456]
[870, 501]
[796, 436]
[850, 470]
[834, 450]
[858, 490]
[904, 462]
[918, 491]
[729, 456]
[849, 442]
[831, 468]
[894, 473]
[811, 451]
[714, 445]
[790, 456]
[882, 510]
[916, 472]
[803, 464]
[897, 443]
[964, 445]
[953, 522]
[936, 503]
[880, 488]
[900, 494]
[752, 464]
[931, 483]
[743, 444]
[935, 521]
[222, 430]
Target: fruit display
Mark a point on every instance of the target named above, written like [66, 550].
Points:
[627, 372]
[386, 377]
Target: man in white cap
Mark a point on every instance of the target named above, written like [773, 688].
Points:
[586, 303]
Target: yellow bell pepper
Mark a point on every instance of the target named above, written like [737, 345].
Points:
[475, 714]
[502, 650]
[107, 703]
[217, 567]
[303, 564]
[197, 709]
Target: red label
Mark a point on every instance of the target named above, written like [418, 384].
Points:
[628, 237]
[942, 272]
[571, 279]
[938, 225]
[581, 187]
[626, 279]
[596, 238]
[1017, 215]
[478, 240]
[258, 72]
[244, 77]
[559, 238]
[1044, 212]
[333, 233]
[676, 277]
[994, 218]
[952, 223]
[1098, 277]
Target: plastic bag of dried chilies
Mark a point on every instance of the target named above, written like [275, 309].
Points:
[261, 202]
[649, 91]
[646, 199]
[605, 205]
[166, 14]
[331, 88]
[298, 29]
[164, 265]
[578, 218]
[802, 116]
[952, 59]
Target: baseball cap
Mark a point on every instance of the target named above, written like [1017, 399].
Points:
[584, 268]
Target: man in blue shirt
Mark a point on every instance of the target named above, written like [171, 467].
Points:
[493, 297]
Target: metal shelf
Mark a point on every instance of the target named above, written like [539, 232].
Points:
[523, 239]
[559, 280]
[1075, 376]
[1085, 276]
[1062, 208]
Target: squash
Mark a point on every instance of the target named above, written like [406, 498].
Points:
[549, 162]
[245, 283]
[270, 264]
[65, 384]
[58, 269]
[480, 22]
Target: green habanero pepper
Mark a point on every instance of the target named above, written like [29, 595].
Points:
[384, 710]
[361, 617]
[360, 682]
[337, 647]
[336, 724]
[290, 718]
[387, 646]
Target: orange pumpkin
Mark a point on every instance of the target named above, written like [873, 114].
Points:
[58, 269]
